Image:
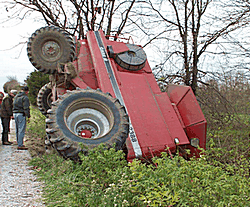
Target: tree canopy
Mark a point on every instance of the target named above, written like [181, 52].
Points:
[188, 38]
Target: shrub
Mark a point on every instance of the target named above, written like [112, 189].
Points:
[104, 178]
[35, 81]
[188, 183]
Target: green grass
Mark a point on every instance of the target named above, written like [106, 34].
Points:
[35, 133]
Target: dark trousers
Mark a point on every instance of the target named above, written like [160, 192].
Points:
[6, 126]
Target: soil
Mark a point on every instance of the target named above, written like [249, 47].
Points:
[19, 185]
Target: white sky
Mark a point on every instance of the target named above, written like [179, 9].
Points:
[14, 62]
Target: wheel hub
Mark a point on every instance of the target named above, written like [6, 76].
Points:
[85, 133]
[51, 50]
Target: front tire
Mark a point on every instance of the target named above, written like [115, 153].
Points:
[44, 98]
[48, 47]
[90, 117]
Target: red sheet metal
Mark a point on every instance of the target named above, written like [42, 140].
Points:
[152, 114]
[101, 73]
[86, 74]
[190, 111]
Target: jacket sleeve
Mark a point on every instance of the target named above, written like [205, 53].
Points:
[6, 110]
[26, 106]
[9, 106]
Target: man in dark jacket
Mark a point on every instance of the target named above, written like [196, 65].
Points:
[1, 100]
[6, 115]
[21, 110]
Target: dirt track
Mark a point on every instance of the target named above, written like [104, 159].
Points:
[19, 186]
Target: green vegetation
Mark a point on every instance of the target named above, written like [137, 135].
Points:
[35, 81]
[104, 178]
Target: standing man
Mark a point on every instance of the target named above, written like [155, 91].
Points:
[1, 99]
[6, 115]
[21, 110]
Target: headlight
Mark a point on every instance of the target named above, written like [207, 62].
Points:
[176, 141]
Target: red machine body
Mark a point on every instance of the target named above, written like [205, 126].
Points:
[159, 121]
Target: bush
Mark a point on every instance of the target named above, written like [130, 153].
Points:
[188, 183]
[230, 149]
[104, 178]
[35, 81]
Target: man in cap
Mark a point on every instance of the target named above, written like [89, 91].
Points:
[21, 110]
[6, 115]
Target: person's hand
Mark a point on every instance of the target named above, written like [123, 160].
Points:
[12, 117]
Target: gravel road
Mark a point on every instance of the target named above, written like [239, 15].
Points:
[19, 186]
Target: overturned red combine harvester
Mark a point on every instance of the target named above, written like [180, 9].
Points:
[104, 91]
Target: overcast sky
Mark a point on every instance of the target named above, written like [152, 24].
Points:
[14, 62]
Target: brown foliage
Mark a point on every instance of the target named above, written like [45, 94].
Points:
[225, 103]
[10, 85]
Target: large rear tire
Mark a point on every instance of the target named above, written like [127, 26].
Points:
[48, 47]
[44, 98]
[88, 116]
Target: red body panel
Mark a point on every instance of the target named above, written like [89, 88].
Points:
[193, 119]
[155, 122]
[85, 68]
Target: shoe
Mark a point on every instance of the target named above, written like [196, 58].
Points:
[7, 143]
[10, 142]
[22, 148]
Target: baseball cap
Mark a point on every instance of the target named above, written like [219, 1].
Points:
[25, 88]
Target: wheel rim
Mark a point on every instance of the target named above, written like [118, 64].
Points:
[51, 51]
[89, 118]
